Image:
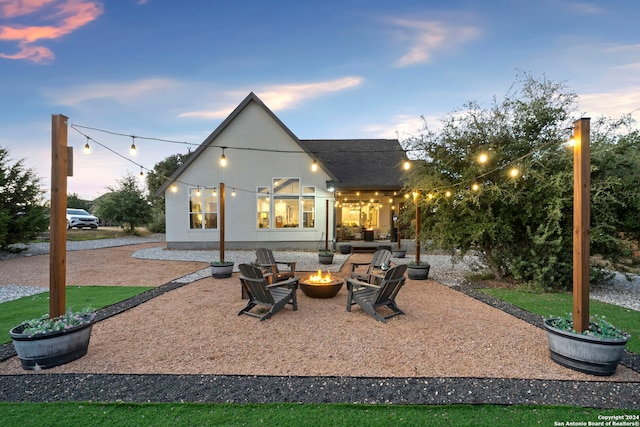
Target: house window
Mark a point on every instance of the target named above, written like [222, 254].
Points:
[203, 208]
[308, 207]
[286, 202]
[263, 207]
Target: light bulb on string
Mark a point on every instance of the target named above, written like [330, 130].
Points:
[483, 158]
[406, 165]
[514, 172]
[174, 188]
[233, 192]
[133, 150]
[475, 186]
[223, 158]
[141, 173]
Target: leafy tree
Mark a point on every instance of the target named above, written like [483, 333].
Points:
[161, 172]
[22, 210]
[125, 205]
[74, 201]
[520, 226]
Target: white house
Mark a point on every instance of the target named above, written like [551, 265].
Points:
[281, 192]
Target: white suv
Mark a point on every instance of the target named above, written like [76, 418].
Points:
[80, 218]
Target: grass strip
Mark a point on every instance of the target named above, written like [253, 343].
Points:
[291, 414]
[559, 304]
[14, 312]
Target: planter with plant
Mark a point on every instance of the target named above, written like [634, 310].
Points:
[399, 253]
[221, 269]
[44, 343]
[596, 351]
[418, 270]
[325, 257]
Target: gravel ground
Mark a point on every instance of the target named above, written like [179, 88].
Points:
[319, 389]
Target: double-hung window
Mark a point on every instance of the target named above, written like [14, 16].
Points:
[203, 208]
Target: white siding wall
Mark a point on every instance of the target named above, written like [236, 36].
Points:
[252, 128]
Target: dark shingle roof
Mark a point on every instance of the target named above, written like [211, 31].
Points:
[360, 163]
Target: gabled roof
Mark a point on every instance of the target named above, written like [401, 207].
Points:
[350, 163]
[361, 163]
[210, 140]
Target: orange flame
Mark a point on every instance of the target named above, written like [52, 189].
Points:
[319, 278]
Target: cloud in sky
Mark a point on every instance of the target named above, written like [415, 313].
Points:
[428, 37]
[282, 97]
[64, 17]
[125, 93]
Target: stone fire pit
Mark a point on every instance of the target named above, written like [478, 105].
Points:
[318, 286]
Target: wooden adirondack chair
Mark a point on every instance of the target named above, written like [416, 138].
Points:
[267, 261]
[261, 293]
[380, 257]
[370, 296]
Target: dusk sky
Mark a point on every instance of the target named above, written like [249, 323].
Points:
[329, 70]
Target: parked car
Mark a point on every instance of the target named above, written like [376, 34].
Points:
[80, 218]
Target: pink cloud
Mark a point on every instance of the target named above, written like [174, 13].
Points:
[68, 15]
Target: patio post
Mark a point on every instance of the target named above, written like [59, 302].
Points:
[581, 220]
[58, 218]
[222, 221]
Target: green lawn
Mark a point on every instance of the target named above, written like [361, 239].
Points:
[14, 312]
[291, 414]
[558, 304]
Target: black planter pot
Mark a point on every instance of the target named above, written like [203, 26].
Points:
[346, 249]
[418, 272]
[325, 259]
[45, 351]
[584, 353]
[399, 253]
[221, 271]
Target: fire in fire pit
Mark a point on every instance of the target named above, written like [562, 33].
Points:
[319, 286]
[319, 278]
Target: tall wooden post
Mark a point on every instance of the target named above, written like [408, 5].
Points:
[221, 221]
[415, 200]
[326, 228]
[581, 221]
[58, 218]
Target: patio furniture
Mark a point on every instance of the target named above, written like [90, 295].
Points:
[267, 261]
[261, 293]
[380, 257]
[370, 297]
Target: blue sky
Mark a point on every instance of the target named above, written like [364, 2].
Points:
[331, 69]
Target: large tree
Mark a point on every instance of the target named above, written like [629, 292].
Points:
[161, 172]
[125, 205]
[22, 210]
[520, 225]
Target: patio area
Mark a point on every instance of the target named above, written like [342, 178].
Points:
[449, 347]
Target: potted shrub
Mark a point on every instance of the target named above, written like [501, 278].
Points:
[596, 351]
[325, 257]
[399, 253]
[418, 270]
[44, 343]
[221, 269]
[345, 249]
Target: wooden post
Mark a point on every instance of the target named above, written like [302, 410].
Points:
[58, 218]
[221, 192]
[326, 228]
[581, 221]
[415, 199]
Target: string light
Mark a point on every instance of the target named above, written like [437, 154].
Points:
[132, 150]
[406, 165]
[174, 188]
[141, 173]
[233, 192]
[223, 158]
[475, 186]
[514, 172]
[314, 166]
[87, 147]
[482, 158]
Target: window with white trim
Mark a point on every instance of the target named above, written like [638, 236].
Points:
[203, 208]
